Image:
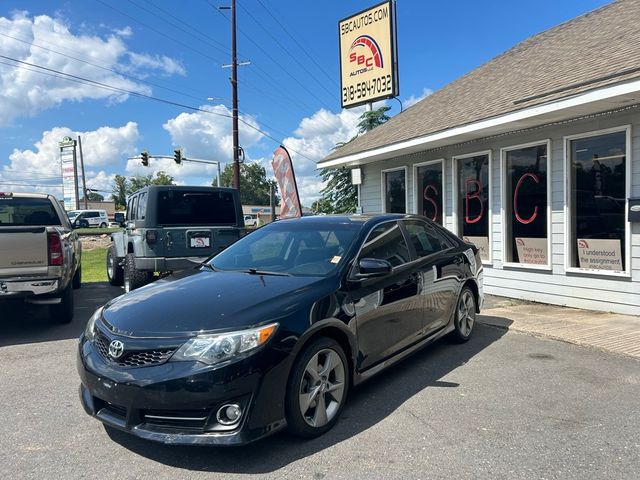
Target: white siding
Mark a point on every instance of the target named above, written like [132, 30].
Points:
[598, 292]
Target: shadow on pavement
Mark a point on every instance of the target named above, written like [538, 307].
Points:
[367, 405]
[22, 323]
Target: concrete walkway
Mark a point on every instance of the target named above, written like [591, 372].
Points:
[607, 331]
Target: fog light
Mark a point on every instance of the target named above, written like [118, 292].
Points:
[229, 414]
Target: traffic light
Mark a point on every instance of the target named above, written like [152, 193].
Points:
[145, 158]
[177, 155]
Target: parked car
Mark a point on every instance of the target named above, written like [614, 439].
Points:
[273, 331]
[250, 220]
[170, 228]
[88, 218]
[39, 253]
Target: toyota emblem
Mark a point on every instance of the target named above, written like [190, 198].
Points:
[116, 349]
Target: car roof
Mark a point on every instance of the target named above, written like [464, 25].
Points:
[362, 218]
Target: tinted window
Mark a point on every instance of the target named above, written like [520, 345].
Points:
[92, 215]
[473, 202]
[395, 191]
[430, 194]
[425, 239]
[385, 242]
[196, 208]
[134, 208]
[27, 211]
[142, 205]
[304, 249]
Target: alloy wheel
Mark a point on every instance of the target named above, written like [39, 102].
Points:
[322, 387]
[466, 313]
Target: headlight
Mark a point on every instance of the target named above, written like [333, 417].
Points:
[89, 331]
[217, 348]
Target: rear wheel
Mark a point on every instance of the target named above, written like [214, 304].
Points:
[465, 316]
[134, 278]
[103, 225]
[114, 270]
[63, 312]
[317, 388]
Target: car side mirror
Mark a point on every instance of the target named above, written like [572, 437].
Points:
[372, 268]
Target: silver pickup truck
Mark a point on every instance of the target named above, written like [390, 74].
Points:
[39, 253]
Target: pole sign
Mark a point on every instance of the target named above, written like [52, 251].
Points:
[283, 171]
[67, 155]
[368, 55]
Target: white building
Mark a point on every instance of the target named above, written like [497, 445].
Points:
[534, 157]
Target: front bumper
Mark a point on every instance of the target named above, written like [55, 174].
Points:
[176, 402]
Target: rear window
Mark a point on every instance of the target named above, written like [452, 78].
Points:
[27, 211]
[196, 208]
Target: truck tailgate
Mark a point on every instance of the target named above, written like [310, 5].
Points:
[23, 250]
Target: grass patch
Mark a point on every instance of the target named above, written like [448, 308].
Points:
[94, 268]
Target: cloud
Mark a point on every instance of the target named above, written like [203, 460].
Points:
[412, 100]
[123, 32]
[26, 90]
[104, 148]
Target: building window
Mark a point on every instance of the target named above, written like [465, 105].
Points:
[597, 201]
[395, 190]
[429, 190]
[473, 201]
[525, 205]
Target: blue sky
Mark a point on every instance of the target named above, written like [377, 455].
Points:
[175, 51]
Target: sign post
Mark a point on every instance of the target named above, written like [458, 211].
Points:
[69, 166]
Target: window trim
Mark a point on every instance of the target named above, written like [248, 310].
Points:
[442, 187]
[567, 203]
[456, 171]
[413, 256]
[503, 199]
[383, 188]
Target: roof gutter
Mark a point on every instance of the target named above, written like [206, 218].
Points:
[512, 121]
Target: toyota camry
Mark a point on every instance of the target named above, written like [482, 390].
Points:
[274, 331]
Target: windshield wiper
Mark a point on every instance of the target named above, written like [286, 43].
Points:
[255, 271]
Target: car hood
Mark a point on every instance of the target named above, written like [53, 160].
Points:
[210, 301]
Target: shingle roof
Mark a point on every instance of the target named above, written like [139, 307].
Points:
[596, 49]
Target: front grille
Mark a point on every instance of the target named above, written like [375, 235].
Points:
[178, 419]
[132, 358]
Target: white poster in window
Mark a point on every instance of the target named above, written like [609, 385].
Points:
[482, 243]
[599, 254]
[532, 251]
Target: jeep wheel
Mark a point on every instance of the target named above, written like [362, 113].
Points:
[133, 278]
[63, 312]
[114, 269]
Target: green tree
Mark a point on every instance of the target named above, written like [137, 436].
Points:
[93, 197]
[339, 195]
[119, 192]
[254, 185]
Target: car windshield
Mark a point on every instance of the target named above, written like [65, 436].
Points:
[290, 247]
[73, 214]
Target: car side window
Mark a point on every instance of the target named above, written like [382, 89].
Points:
[142, 205]
[386, 242]
[134, 208]
[425, 238]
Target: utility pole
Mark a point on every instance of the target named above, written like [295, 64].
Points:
[234, 88]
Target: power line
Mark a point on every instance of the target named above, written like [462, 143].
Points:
[286, 50]
[309, 55]
[257, 45]
[217, 45]
[141, 95]
[159, 32]
[101, 67]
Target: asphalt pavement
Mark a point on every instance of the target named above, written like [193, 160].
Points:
[504, 405]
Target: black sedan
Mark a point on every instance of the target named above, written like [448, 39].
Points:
[275, 330]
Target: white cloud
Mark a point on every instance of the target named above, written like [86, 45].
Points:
[103, 148]
[412, 100]
[25, 92]
[123, 32]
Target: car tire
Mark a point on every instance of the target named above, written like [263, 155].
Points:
[317, 392]
[464, 316]
[63, 312]
[133, 278]
[115, 273]
[77, 278]
[103, 225]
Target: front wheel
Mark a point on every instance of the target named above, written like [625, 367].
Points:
[465, 316]
[317, 388]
